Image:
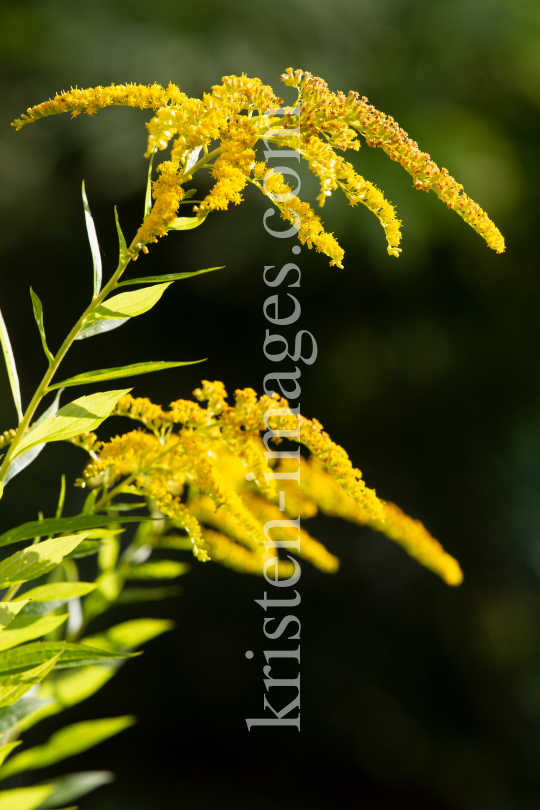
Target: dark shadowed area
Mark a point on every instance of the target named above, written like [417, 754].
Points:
[414, 694]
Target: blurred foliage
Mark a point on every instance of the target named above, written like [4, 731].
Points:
[414, 695]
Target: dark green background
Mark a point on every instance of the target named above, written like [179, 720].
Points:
[414, 695]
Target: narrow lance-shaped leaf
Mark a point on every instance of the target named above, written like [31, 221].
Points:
[67, 655]
[131, 634]
[40, 528]
[158, 569]
[11, 367]
[122, 247]
[34, 561]
[37, 306]
[66, 743]
[94, 246]
[122, 371]
[130, 304]
[74, 785]
[80, 416]
[22, 461]
[24, 798]
[170, 277]
[24, 706]
[186, 223]
[53, 591]
[28, 628]
[13, 687]
[97, 327]
[148, 195]
[8, 611]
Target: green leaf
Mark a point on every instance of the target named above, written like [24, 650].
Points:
[128, 635]
[41, 528]
[130, 304]
[131, 595]
[54, 591]
[158, 569]
[13, 687]
[19, 710]
[148, 195]
[125, 507]
[85, 549]
[22, 659]
[24, 798]
[7, 749]
[11, 367]
[8, 611]
[38, 315]
[170, 277]
[29, 456]
[122, 247]
[36, 560]
[175, 541]
[190, 193]
[121, 371]
[94, 246]
[27, 628]
[65, 743]
[80, 416]
[186, 223]
[70, 688]
[74, 785]
[97, 327]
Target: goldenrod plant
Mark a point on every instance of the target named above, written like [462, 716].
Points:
[203, 472]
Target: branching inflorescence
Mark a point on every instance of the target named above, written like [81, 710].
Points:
[190, 463]
[225, 127]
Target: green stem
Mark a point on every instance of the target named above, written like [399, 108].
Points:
[12, 591]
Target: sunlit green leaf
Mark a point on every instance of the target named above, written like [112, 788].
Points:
[122, 247]
[94, 246]
[148, 194]
[128, 635]
[41, 528]
[36, 560]
[27, 628]
[70, 688]
[158, 569]
[130, 304]
[22, 659]
[28, 798]
[54, 591]
[11, 367]
[8, 611]
[170, 277]
[131, 595]
[121, 371]
[19, 710]
[7, 749]
[85, 549]
[186, 223]
[14, 686]
[80, 416]
[97, 327]
[38, 315]
[26, 458]
[74, 785]
[65, 743]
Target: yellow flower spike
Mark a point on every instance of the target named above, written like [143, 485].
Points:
[196, 478]
[96, 98]
[242, 111]
[310, 549]
[225, 551]
[318, 485]
[326, 113]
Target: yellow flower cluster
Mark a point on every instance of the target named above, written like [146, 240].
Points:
[337, 116]
[191, 463]
[242, 111]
